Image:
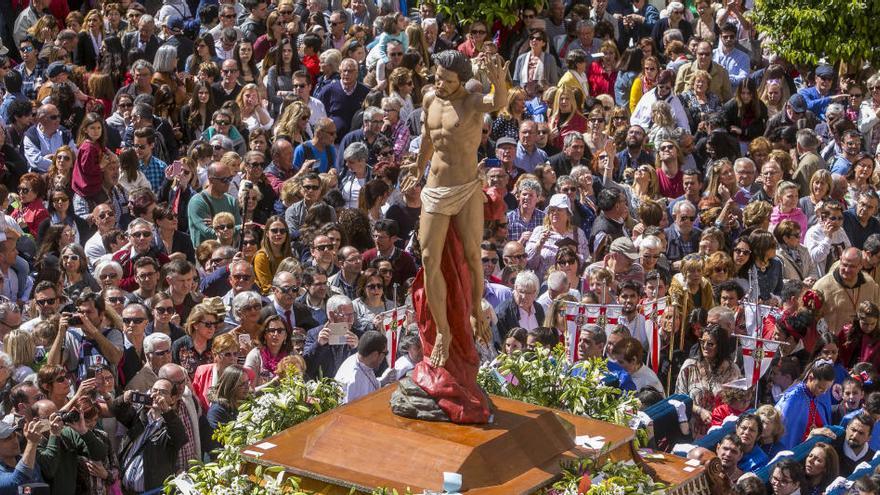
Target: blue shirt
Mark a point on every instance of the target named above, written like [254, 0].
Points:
[816, 103]
[12, 478]
[528, 161]
[841, 165]
[307, 151]
[736, 62]
[154, 171]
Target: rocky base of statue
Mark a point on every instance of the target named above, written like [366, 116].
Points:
[453, 386]
[411, 401]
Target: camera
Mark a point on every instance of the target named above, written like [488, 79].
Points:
[141, 398]
[71, 416]
[73, 319]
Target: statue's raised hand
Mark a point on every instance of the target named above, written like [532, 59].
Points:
[495, 70]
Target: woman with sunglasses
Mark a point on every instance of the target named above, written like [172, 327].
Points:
[194, 349]
[75, 274]
[31, 211]
[55, 239]
[536, 64]
[225, 350]
[371, 296]
[164, 317]
[274, 248]
[275, 344]
[169, 237]
[54, 383]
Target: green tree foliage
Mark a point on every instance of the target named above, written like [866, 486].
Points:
[467, 11]
[803, 31]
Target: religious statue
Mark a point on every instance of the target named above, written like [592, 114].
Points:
[448, 289]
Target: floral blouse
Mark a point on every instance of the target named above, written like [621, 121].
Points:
[704, 390]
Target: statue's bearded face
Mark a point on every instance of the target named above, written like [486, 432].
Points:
[446, 82]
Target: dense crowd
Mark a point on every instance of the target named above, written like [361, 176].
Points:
[199, 198]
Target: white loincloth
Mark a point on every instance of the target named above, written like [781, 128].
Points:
[449, 200]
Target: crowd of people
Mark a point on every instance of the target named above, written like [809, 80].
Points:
[200, 198]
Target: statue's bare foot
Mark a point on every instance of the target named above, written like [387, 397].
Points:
[440, 353]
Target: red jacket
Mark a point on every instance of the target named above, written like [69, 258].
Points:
[124, 258]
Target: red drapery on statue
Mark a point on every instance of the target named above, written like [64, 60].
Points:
[453, 386]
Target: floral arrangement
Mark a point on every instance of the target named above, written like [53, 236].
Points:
[545, 378]
[286, 404]
[612, 478]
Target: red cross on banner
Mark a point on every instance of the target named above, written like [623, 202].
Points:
[652, 310]
[603, 314]
[392, 322]
[757, 355]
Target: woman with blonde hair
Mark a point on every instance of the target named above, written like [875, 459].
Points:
[511, 116]
[61, 167]
[253, 115]
[774, 94]
[645, 186]
[565, 115]
[663, 124]
[293, 122]
[275, 248]
[19, 345]
[88, 46]
[718, 268]
[194, 349]
[797, 264]
[773, 429]
[786, 201]
[223, 224]
[820, 189]
[699, 101]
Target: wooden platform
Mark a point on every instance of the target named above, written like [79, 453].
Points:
[363, 445]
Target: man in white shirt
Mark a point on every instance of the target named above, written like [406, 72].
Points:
[357, 374]
[629, 294]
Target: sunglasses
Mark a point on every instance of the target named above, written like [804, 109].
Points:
[141, 235]
[222, 122]
[108, 276]
[23, 190]
[249, 242]
[47, 301]
[276, 330]
[161, 353]
[59, 201]
[252, 307]
[164, 310]
[116, 300]
[70, 257]
[224, 226]
[323, 247]
[133, 321]
[103, 215]
[687, 218]
[140, 146]
[310, 187]
[287, 290]
[210, 324]
[241, 277]
[278, 231]
[489, 260]
[374, 286]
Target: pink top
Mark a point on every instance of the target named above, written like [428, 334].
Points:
[796, 215]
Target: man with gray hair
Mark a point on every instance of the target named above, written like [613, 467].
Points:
[214, 199]
[285, 290]
[522, 310]
[574, 152]
[343, 97]
[327, 346]
[367, 134]
[143, 39]
[557, 285]
[188, 410]
[140, 245]
[809, 161]
[682, 237]
[157, 351]
[43, 138]
[746, 171]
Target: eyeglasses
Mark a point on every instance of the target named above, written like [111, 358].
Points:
[136, 320]
[224, 226]
[222, 122]
[566, 262]
[280, 330]
[210, 324]
[229, 71]
[47, 301]
[252, 307]
[141, 235]
[311, 187]
[105, 214]
[145, 275]
[385, 271]
[59, 201]
[161, 353]
[373, 286]
[107, 276]
[164, 310]
[299, 85]
[323, 247]
[249, 242]
[70, 257]
[743, 252]
[23, 190]
[687, 218]
[116, 299]
[667, 147]
[287, 290]
[217, 261]
[242, 277]
[140, 146]
[487, 259]
[227, 16]
[223, 180]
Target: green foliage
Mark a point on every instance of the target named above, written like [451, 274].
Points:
[465, 12]
[803, 31]
[612, 478]
[544, 377]
[290, 402]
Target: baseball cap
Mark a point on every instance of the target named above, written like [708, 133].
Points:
[559, 200]
[174, 23]
[797, 103]
[6, 430]
[825, 71]
[505, 140]
[623, 245]
[56, 69]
